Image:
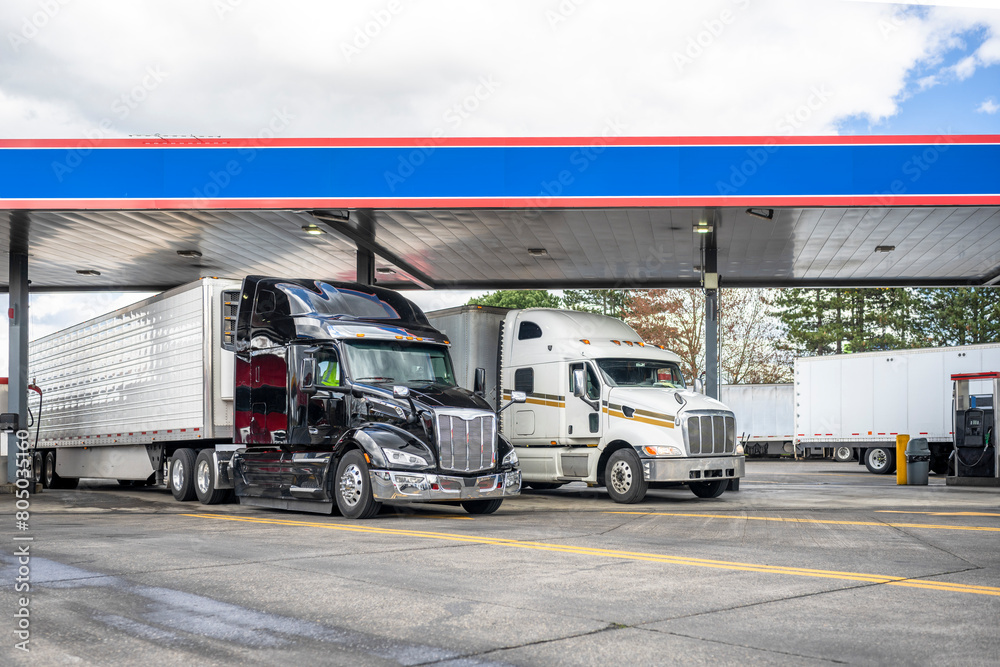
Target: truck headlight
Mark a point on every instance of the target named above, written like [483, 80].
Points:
[739, 450]
[662, 450]
[396, 457]
[509, 459]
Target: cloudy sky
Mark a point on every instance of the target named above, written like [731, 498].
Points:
[248, 68]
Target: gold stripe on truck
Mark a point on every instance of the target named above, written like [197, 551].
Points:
[644, 416]
[550, 400]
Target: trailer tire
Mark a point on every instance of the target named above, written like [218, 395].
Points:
[880, 460]
[712, 489]
[353, 488]
[623, 477]
[482, 506]
[48, 468]
[181, 480]
[57, 481]
[843, 454]
[204, 480]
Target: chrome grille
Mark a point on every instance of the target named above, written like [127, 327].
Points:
[710, 434]
[466, 441]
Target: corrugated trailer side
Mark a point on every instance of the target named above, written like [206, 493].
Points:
[152, 372]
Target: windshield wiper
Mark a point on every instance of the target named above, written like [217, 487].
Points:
[376, 378]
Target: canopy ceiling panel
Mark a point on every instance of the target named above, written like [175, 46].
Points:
[496, 213]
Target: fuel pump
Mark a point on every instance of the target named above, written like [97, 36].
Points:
[975, 451]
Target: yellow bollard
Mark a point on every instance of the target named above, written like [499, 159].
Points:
[901, 441]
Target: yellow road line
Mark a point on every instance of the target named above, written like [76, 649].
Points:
[837, 523]
[624, 555]
[941, 513]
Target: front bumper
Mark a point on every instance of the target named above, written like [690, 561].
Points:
[426, 487]
[693, 469]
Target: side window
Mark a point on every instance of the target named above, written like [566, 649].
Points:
[524, 380]
[593, 386]
[528, 330]
[328, 373]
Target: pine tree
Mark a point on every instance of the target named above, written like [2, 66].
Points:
[528, 298]
[611, 302]
[956, 316]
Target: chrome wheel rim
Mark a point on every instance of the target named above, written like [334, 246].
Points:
[177, 475]
[351, 485]
[204, 477]
[49, 470]
[878, 458]
[621, 477]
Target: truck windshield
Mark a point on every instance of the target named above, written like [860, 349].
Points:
[390, 362]
[641, 373]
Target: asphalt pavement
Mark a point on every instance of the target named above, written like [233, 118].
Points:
[811, 562]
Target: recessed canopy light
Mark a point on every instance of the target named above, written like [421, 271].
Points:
[88, 272]
[190, 254]
[884, 248]
[765, 213]
[702, 228]
[313, 229]
[537, 252]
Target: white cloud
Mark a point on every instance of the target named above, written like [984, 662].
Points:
[725, 67]
[358, 69]
[988, 106]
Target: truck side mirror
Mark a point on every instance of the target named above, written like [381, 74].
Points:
[307, 378]
[479, 384]
[579, 383]
[515, 397]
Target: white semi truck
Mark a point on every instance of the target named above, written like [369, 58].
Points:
[298, 394]
[861, 402]
[603, 407]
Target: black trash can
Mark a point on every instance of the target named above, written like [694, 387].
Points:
[918, 462]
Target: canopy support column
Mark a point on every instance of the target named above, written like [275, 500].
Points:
[17, 370]
[710, 283]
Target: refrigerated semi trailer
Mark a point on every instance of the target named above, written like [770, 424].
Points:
[603, 406]
[863, 401]
[289, 393]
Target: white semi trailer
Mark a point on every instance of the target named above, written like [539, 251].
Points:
[765, 414]
[863, 401]
[603, 407]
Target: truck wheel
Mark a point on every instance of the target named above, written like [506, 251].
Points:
[711, 489]
[204, 480]
[36, 466]
[57, 482]
[48, 468]
[843, 454]
[182, 475]
[879, 460]
[353, 488]
[482, 506]
[623, 477]
[542, 486]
